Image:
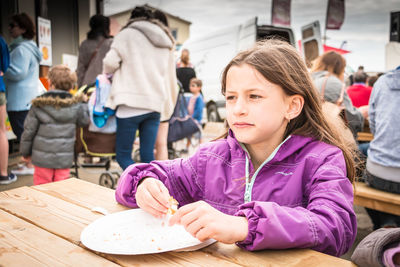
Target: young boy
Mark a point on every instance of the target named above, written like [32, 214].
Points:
[49, 129]
[195, 105]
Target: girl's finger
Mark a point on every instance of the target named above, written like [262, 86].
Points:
[157, 195]
[164, 197]
[181, 212]
[203, 234]
[151, 201]
[195, 226]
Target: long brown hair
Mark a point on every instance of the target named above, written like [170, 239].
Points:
[281, 64]
[330, 61]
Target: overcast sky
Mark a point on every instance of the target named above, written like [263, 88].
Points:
[365, 28]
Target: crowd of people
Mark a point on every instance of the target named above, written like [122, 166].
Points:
[280, 177]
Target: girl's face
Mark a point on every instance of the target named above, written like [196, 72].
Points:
[256, 108]
[194, 88]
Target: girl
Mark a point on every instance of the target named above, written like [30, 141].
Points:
[280, 179]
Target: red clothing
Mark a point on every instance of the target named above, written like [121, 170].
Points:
[47, 175]
[359, 94]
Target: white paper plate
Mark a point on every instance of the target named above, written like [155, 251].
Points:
[133, 232]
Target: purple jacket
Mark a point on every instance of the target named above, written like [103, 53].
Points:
[301, 198]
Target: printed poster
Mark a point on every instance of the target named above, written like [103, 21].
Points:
[44, 40]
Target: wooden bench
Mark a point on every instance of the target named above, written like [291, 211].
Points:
[364, 137]
[372, 198]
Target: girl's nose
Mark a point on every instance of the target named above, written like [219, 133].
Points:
[240, 107]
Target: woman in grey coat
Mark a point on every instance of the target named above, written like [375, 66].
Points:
[49, 129]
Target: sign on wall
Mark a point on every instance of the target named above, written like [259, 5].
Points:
[44, 40]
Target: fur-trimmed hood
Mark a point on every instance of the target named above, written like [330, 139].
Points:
[57, 99]
[158, 34]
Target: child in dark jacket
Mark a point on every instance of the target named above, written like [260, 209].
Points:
[49, 129]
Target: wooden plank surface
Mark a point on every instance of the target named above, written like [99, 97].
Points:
[289, 257]
[372, 198]
[23, 244]
[83, 194]
[67, 220]
[63, 210]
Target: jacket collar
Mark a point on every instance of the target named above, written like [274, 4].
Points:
[57, 99]
[291, 146]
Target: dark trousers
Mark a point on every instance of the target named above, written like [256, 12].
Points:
[17, 119]
[147, 125]
[379, 218]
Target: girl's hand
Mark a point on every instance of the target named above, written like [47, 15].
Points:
[203, 222]
[152, 196]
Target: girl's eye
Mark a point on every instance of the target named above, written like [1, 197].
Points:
[230, 97]
[255, 96]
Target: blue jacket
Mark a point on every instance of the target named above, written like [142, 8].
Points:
[198, 109]
[22, 76]
[384, 120]
[4, 61]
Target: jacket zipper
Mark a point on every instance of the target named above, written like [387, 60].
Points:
[250, 182]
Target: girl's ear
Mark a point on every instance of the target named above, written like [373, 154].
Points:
[296, 103]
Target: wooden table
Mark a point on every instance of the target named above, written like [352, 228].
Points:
[41, 226]
[372, 198]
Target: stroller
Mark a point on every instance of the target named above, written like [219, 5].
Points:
[96, 144]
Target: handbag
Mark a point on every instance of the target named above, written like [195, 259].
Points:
[181, 124]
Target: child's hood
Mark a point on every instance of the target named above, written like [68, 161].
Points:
[55, 103]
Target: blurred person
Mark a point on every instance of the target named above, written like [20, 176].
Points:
[49, 131]
[5, 178]
[359, 92]
[328, 74]
[185, 70]
[371, 80]
[161, 146]
[22, 77]
[93, 50]
[383, 162]
[195, 106]
[91, 54]
[140, 59]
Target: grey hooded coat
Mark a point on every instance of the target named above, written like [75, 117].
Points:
[49, 129]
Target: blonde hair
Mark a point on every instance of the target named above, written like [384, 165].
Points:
[280, 63]
[62, 78]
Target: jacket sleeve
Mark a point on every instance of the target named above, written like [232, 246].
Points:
[4, 56]
[179, 176]
[198, 109]
[19, 66]
[31, 126]
[83, 117]
[372, 105]
[113, 58]
[172, 89]
[82, 62]
[326, 223]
